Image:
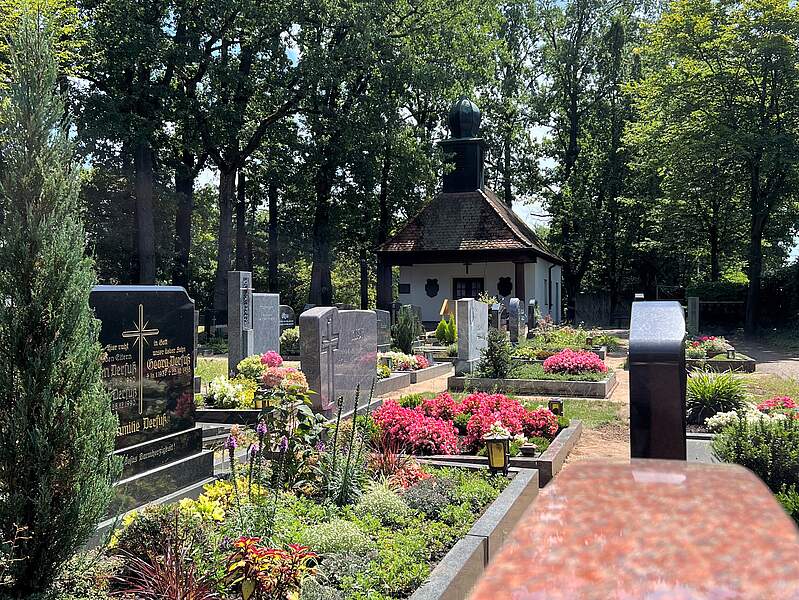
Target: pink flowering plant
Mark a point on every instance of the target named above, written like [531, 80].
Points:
[430, 426]
[573, 362]
[405, 362]
[271, 359]
[777, 403]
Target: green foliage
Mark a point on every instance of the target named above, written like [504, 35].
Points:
[87, 576]
[442, 332]
[429, 496]
[290, 342]
[383, 371]
[788, 497]
[384, 504]
[406, 330]
[495, 359]
[313, 590]
[612, 342]
[251, 368]
[475, 491]
[336, 537]
[708, 393]
[718, 290]
[460, 421]
[209, 368]
[452, 350]
[540, 443]
[563, 422]
[770, 448]
[411, 400]
[57, 428]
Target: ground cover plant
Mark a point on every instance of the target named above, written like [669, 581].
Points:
[404, 362]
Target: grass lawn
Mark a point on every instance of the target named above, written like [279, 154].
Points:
[593, 413]
[210, 367]
[763, 387]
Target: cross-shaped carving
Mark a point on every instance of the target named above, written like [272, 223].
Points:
[140, 335]
[329, 345]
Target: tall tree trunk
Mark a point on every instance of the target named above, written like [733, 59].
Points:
[364, 279]
[145, 221]
[274, 247]
[506, 170]
[242, 264]
[227, 179]
[321, 292]
[184, 190]
[755, 270]
[713, 235]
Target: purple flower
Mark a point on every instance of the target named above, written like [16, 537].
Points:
[284, 444]
[320, 446]
[261, 429]
[231, 443]
[253, 450]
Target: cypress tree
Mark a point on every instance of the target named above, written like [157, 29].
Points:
[56, 425]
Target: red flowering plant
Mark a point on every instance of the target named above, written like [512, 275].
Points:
[574, 363]
[416, 431]
[488, 409]
[442, 407]
[540, 422]
[777, 403]
[421, 362]
[261, 573]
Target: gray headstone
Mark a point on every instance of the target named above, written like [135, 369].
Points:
[532, 316]
[693, 315]
[472, 318]
[395, 308]
[383, 330]
[338, 352]
[266, 322]
[517, 320]
[657, 380]
[287, 317]
[498, 317]
[239, 320]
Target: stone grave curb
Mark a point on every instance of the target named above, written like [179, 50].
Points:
[228, 416]
[395, 382]
[437, 370]
[536, 387]
[601, 353]
[460, 569]
[720, 366]
[548, 464]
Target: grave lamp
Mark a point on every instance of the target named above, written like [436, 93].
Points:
[498, 451]
[556, 406]
[731, 354]
[589, 341]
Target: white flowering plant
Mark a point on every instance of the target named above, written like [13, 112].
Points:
[226, 393]
[497, 430]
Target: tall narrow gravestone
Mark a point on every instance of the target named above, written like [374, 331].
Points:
[517, 320]
[338, 353]
[472, 319]
[657, 380]
[532, 317]
[693, 315]
[383, 330]
[240, 334]
[147, 335]
[266, 323]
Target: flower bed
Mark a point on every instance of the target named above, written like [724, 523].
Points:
[555, 386]
[719, 363]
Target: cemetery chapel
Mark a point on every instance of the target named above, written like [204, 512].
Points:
[466, 240]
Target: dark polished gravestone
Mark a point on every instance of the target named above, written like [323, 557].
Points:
[657, 380]
[288, 320]
[148, 339]
[240, 333]
[338, 352]
[383, 330]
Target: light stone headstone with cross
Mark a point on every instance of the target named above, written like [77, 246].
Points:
[472, 319]
[338, 353]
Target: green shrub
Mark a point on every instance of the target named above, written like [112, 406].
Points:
[458, 515]
[612, 342]
[789, 498]
[770, 448]
[407, 329]
[442, 332]
[403, 562]
[460, 421]
[540, 443]
[290, 342]
[336, 537]
[384, 504]
[710, 393]
[476, 491]
[452, 329]
[251, 368]
[563, 422]
[452, 350]
[313, 590]
[429, 496]
[495, 359]
[411, 400]
[717, 290]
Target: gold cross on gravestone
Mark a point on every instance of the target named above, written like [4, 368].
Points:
[140, 335]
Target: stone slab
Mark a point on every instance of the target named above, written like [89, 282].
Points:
[536, 387]
[393, 383]
[266, 323]
[431, 372]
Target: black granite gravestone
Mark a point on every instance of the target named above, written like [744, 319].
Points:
[287, 318]
[657, 380]
[148, 338]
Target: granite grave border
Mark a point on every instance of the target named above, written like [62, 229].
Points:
[536, 387]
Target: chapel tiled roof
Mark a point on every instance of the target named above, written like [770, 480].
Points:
[467, 221]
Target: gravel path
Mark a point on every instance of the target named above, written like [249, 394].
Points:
[770, 359]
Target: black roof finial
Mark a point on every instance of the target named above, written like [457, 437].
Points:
[464, 118]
